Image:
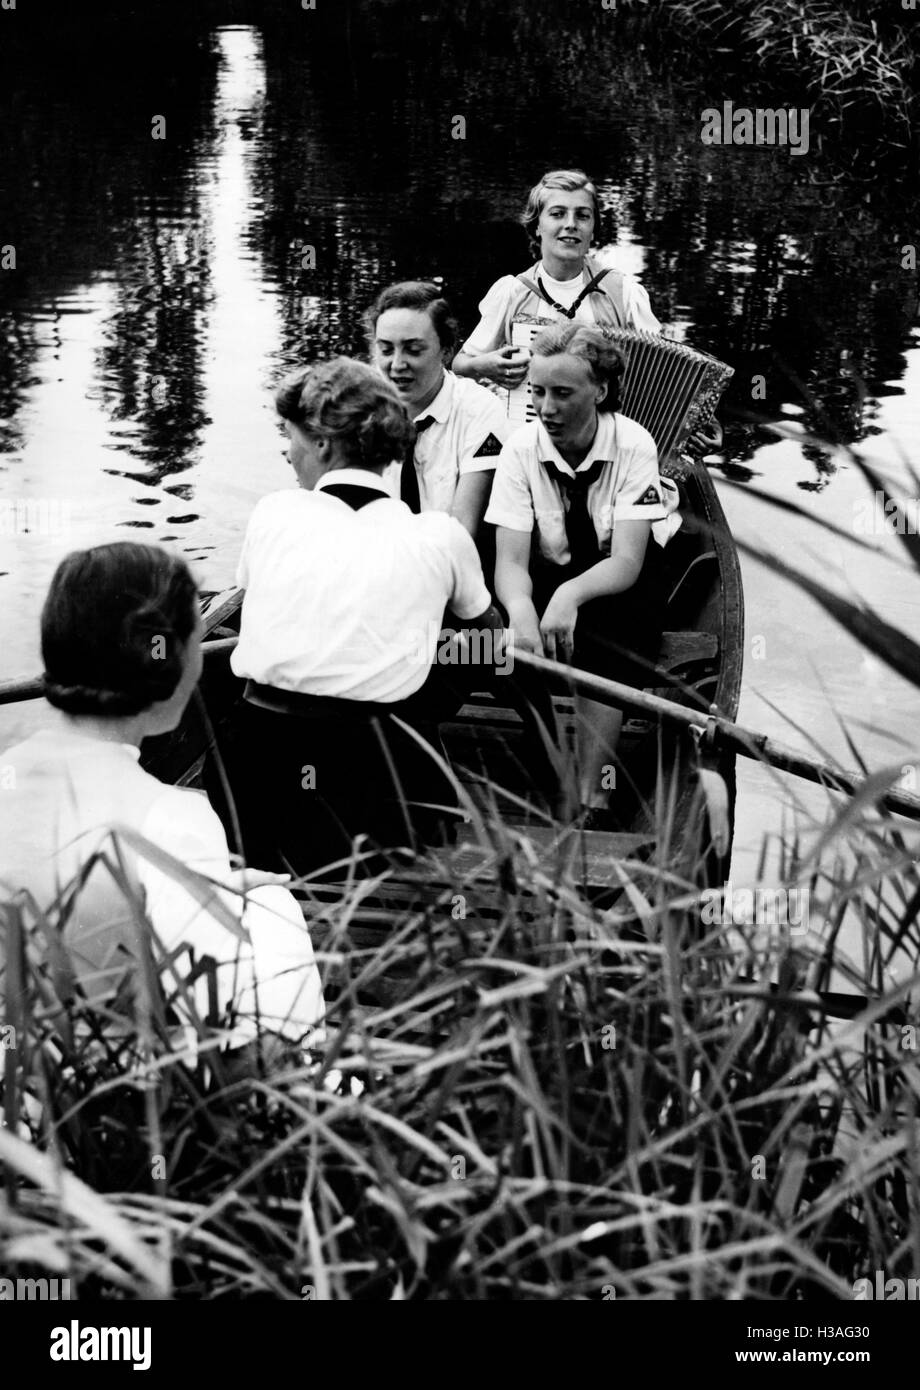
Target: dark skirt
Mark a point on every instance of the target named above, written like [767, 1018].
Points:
[617, 636]
[309, 777]
[306, 781]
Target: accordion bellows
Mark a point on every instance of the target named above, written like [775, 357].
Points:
[668, 388]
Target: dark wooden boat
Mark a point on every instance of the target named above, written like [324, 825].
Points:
[680, 788]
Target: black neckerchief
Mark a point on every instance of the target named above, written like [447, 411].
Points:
[354, 494]
[579, 527]
[408, 478]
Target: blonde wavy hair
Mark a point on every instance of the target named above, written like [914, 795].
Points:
[605, 361]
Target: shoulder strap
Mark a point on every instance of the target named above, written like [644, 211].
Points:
[610, 306]
[594, 281]
[534, 289]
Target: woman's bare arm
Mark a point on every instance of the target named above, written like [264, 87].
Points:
[471, 499]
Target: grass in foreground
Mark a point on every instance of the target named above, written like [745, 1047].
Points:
[521, 1097]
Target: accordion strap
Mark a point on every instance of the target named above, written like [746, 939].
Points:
[540, 291]
[534, 289]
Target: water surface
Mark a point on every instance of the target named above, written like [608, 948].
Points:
[161, 288]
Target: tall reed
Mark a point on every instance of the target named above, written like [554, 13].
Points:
[521, 1096]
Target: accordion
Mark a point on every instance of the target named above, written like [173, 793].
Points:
[668, 388]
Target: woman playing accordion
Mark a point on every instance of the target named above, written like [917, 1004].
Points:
[561, 217]
[566, 284]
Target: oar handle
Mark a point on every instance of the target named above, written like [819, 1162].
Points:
[734, 737]
[13, 692]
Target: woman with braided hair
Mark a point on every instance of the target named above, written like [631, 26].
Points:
[121, 645]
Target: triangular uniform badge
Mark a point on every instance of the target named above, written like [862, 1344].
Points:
[649, 498]
[489, 447]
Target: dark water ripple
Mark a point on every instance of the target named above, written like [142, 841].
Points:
[161, 287]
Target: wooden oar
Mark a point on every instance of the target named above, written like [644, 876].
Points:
[747, 742]
[13, 692]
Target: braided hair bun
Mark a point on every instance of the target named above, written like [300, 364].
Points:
[114, 628]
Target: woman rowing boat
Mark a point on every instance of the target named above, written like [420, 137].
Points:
[346, 590]
[562, 217]
[575, 497]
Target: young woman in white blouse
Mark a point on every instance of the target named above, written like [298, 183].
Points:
[121, 646]
[561, 217]
[576, 496]
[460, 425]
[346, 591]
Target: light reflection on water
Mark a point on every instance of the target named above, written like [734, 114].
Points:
[184, 458]
[241, 455]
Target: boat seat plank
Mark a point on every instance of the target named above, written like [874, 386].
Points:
[483, 875]
[585, 858]
[684, 648]
[589, 855]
